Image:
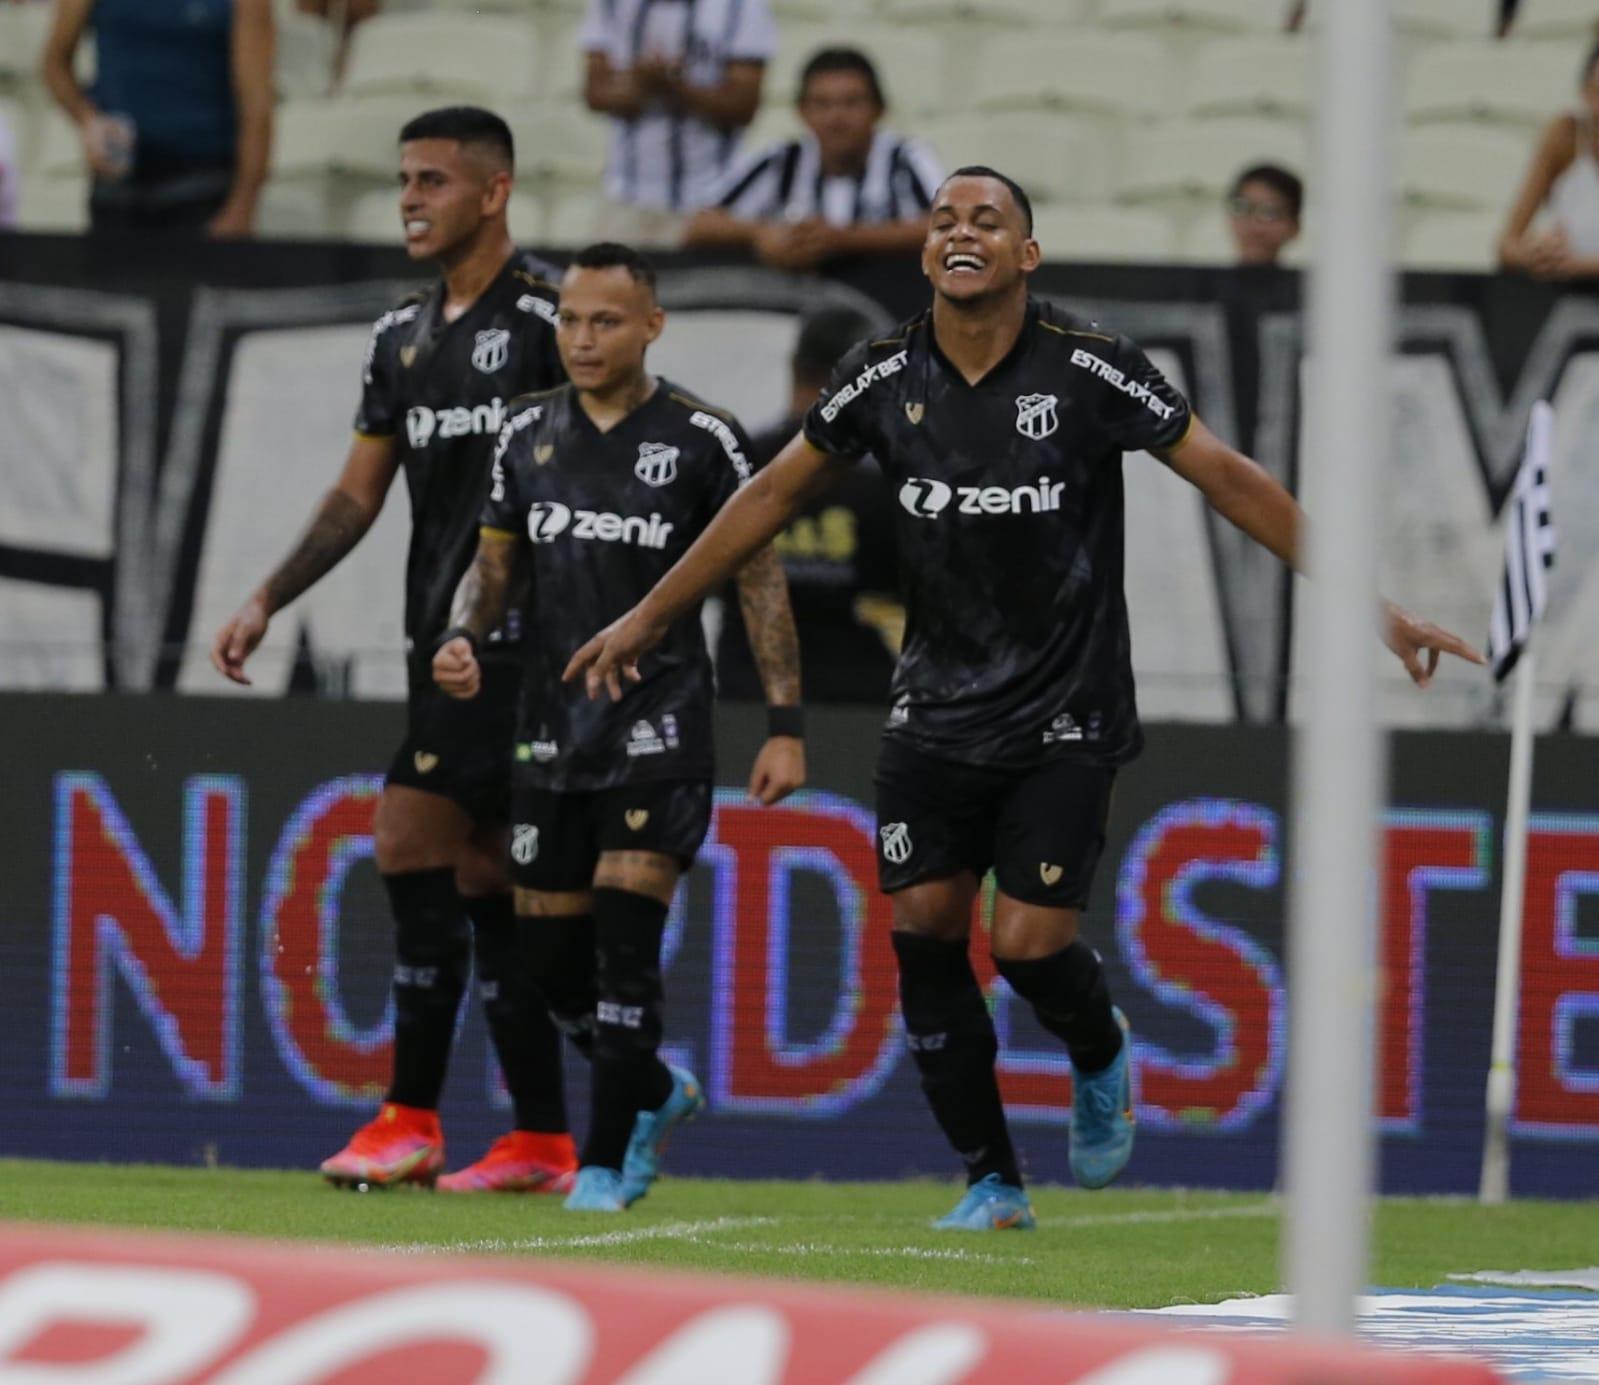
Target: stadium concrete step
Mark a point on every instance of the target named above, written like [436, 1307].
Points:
[1461, 168]
[1118, 74]
[479, 57]
[1506, 83]
[1571, 21]
[1265, 77]
[1062, 159]
[1454, 241]
[1194, 162]
[1204, 16]
[1105, 234]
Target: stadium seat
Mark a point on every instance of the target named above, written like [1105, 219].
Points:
[489, 58]
[1461, 168]
[307, 47]
[1265, 77]
[23, 29]
[1056, 13]
[1571, 20]
[570, 223]
[1122, 74]
[1216, 16]
[1197, 162]
[1518, 84]
[566, 143]
[1055, 159]
[351, 138]
[1101, 233]
[1446, 18]
[294, 210]
[1458, 240]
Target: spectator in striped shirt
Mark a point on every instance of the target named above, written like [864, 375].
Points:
[848, 186]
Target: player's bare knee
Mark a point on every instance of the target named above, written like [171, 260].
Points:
[407, 837]
[939, 909]
[650, 873]
[480, 873]
[553, 904]
[1026, 932]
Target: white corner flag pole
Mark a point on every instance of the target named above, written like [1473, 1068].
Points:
[1495, 1185]
[1337, 782]
[1518, 605]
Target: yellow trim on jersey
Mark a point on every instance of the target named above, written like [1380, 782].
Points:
[895, 341]
[1073, 332]
[702, 406]
[373, 437]
[490, 531]
[1193, 418]
[534, 280]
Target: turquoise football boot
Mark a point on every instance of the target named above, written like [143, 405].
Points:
[597, 1189]
[642, 1166]
[1102, 1117]
[990, 1205]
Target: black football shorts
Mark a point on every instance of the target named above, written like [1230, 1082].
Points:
[462, 749]
[1041, 829]
[557, 836]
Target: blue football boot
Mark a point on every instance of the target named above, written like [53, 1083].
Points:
[990, 1205]
[597, 1189]
[642, 1166]
[1102, 1117]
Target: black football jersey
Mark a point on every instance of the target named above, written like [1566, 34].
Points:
[440, 390]
[1008, 508]
[601, 517]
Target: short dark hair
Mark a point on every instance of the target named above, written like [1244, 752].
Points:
[825, 334]
[1288, 186]
[1023, 201]
[842, 60]
[609, 254]
[468, 125]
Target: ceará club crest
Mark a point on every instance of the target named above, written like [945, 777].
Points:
[657, 464]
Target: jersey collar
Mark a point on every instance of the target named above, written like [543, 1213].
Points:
[996, 375]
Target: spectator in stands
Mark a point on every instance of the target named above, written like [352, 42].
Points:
[845, 187]
[1263, 210]
[680, 79]
[177, 126]
[1563, 180]
[10, 175]
[838, 552]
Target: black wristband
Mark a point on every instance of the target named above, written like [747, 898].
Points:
[786, 721]
[456, 632]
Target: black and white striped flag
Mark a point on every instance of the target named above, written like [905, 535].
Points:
[1529, 549]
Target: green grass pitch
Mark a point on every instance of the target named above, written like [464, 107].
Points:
[1119, 1248]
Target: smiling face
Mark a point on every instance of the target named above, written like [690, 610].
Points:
[978, 245]
[448, 192]
[608, 320]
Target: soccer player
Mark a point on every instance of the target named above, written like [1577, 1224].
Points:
[439, 368]
[999, 421]
[599, 487]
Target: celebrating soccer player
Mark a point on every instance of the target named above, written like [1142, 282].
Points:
[599, 487]
[438, 369]
[999, 421]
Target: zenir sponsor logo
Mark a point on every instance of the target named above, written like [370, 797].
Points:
[927, 498]
[423, 424]
[1036, 417]
[896, 838]
[491, 348]
[547, 520]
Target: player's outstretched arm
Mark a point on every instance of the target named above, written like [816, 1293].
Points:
[747, 523]
[769, 621]
[345, 514]
[479, 605]
[1245, 494]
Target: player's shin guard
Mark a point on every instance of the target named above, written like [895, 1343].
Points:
[433, 950]
[563, 962]
[952, 1039]
[525, 1038]
[1068, 993]
[628, 1075]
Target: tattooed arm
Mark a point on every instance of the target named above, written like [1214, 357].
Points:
[479, 605]
[769, 621]
[345, 514]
